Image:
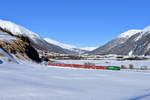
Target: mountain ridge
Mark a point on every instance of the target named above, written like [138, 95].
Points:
[70, 47]
[36, 41]
[131, 42]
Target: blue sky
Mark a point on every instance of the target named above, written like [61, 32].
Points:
[78, 22]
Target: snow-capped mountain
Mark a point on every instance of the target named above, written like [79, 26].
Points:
[121, 39]
[65, 46]
[72, 48]
[39, 43]
[88, 48]
[138, 44]
[36, 41]
[147, 29]
[129, 33]
[17, 29]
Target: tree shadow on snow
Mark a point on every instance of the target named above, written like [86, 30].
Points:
[140, 97]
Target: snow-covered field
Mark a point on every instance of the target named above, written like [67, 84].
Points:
[38, 82]
[108, 62]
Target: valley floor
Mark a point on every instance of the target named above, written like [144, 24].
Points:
[38, 82]
[110, 62]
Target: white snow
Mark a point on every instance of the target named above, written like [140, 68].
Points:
[130, 53]
[147, 29]
[65, 46]
[139, 37]
[5, 36]
[69, 47]
[35, 82]
[148, 47]
[7, 55]
[88, 48]
[129, 33]
[17, 29]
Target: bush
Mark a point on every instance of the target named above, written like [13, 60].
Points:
[9, 60]
[89, 64]
[131, 66]
[119, 57]
[135, 58]
[32, 53]
[107, 62]
[144, 68]
[123, 67]
[23, 38]
[75, 57]
[1, 54]
[44, 59]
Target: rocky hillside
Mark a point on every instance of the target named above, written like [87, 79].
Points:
[17, 47]
[115, 42]
[132, 42]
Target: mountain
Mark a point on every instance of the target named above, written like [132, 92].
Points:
[35, 40]
[138, 44]
[67, 46]
[88, 48]
[132, 42]
[115, 42]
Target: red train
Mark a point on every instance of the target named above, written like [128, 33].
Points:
[78, 66]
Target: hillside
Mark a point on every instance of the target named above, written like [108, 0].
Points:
[132, 42]
[68, 47]
[11, 46]
[46, 44]
[35, 40]
[72, 48]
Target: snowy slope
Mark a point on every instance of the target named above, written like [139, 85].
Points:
[137, 44]
[17, 29]
[70, 47]
[35, 82]
[65, 46]
[122, 38]
[88, 48]
[8, 56]
[129, 33]
[5, 36]
[147, 29]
